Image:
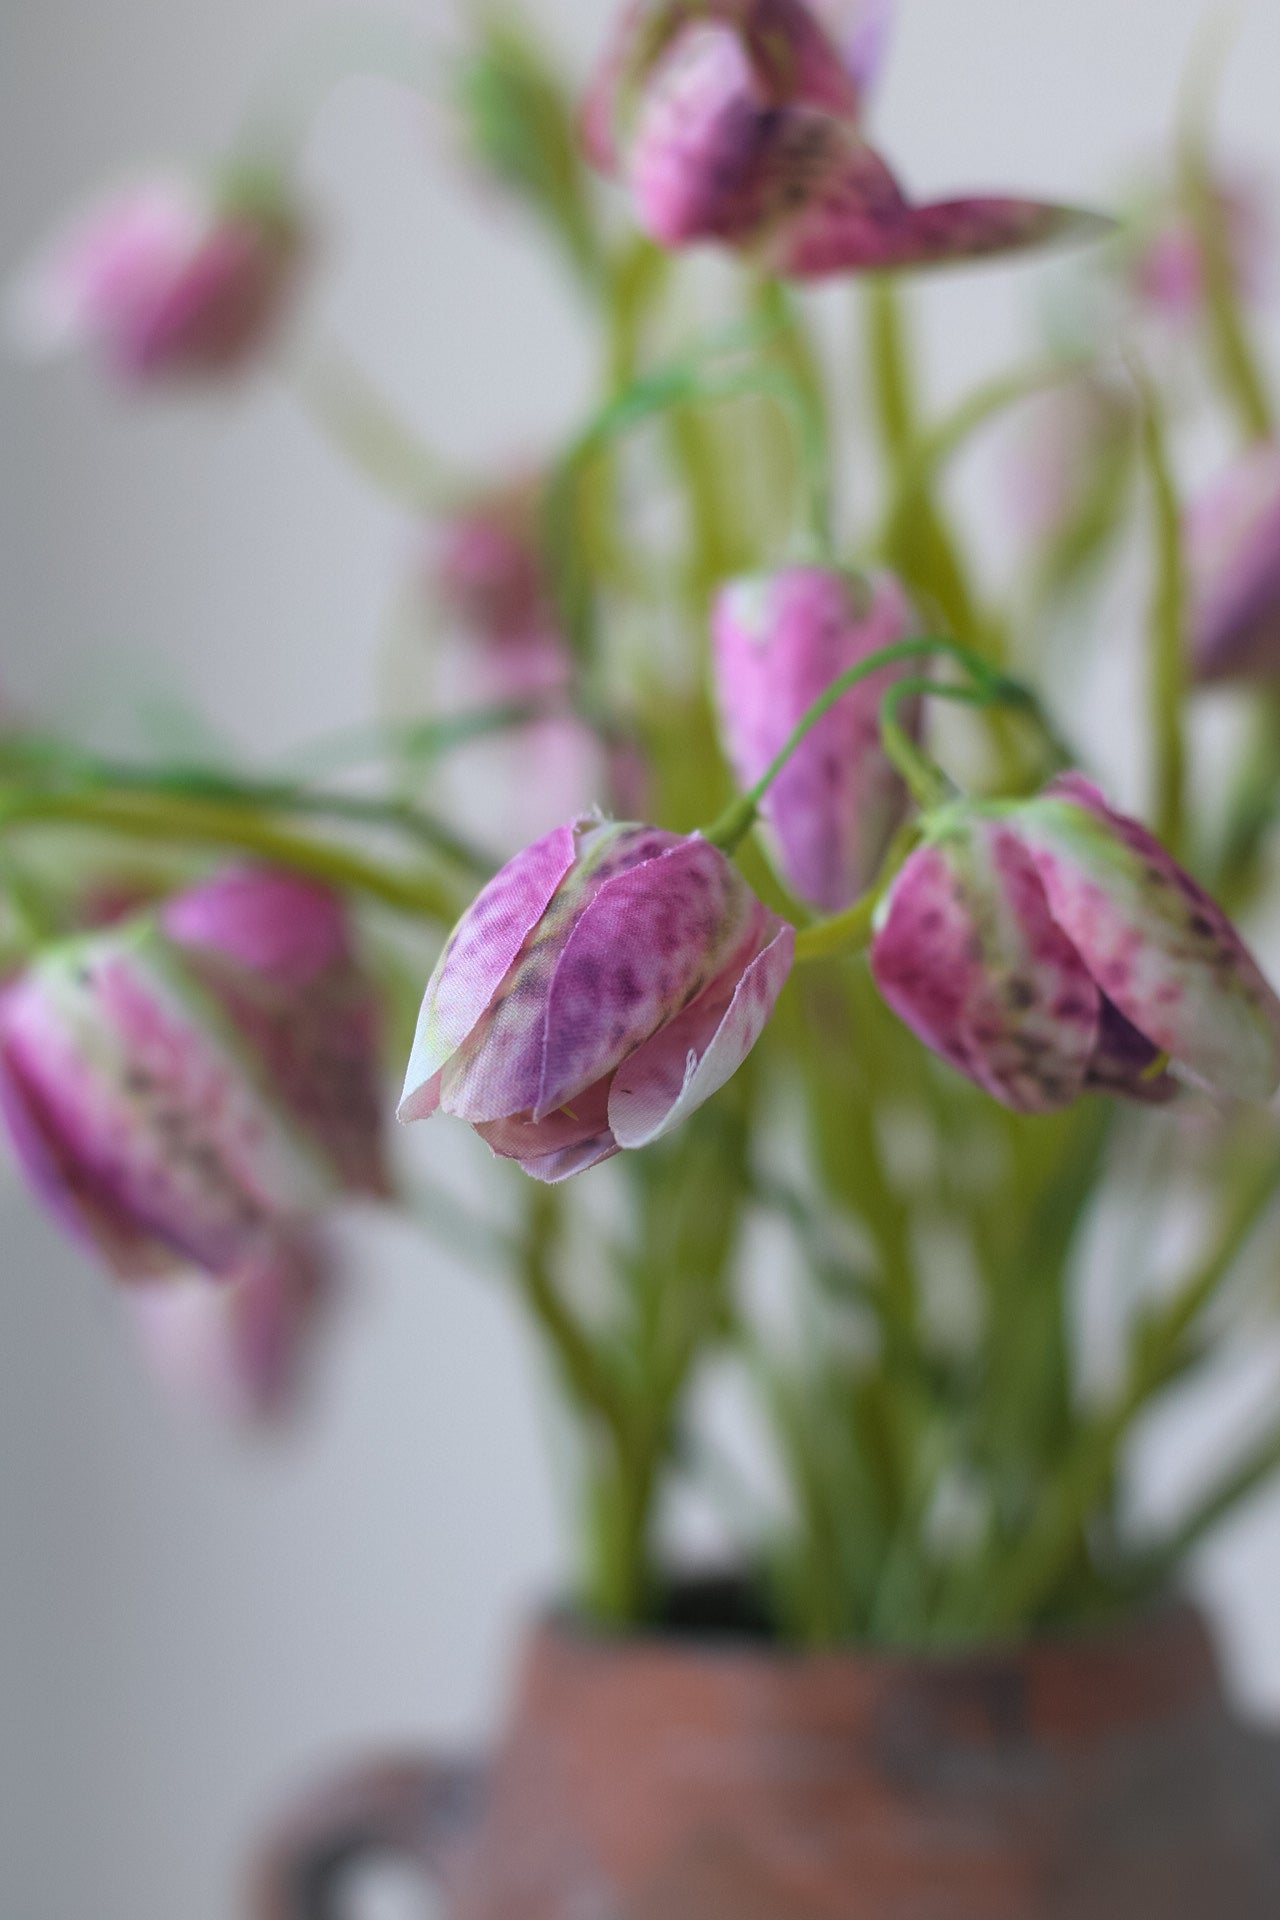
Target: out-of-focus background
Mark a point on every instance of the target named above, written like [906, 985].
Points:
[191, 1624]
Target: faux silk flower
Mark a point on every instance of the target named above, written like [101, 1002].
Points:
[780, 640]
[738, 122]
[1053, 946]
[166, 280]
[604, 984]
[180, 1087]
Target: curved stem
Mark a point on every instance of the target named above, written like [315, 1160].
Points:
[1167, 629]
[202, 823]
[353, 416]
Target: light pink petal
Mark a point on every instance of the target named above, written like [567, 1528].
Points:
[1233, 554]
[568, 1141]
[970, 958]
[664, 1080]
[481, 951]
[279, 925]
[700, 157]
[1154, 941]
[652, 938]
[237, 1349]
[780, 641]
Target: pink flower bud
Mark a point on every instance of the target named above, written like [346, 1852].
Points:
[1233, 553]
[178, 1088]
[1165, 261]
[605, 984]
[738, 122]
[165, 280]
[1051, 946]
[781, 640]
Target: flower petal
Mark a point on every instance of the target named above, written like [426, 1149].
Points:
[1124, 1062]
[1154, 941]
[1233, 553]
[279, 925]
[856, 218]
[685, 1062]
[145, 1109]
[480, 952]
[780, 641]
[652, 938]
[562, 1143]
[969, 957]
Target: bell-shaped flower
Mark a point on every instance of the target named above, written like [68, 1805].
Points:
[1052, 946]
[738, 122]
[1233, 556]
[780, 640]
[179, 1087]
[605, 983]
[238, 1350]
[168, 279]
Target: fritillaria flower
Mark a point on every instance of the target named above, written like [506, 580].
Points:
[1052, 946]
[605, 984]
[738, 122]
[180, 1087]
[169, 279]
[239, 1349]
[781, 639]
[1233, 553]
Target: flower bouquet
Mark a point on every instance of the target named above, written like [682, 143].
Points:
[775, 919]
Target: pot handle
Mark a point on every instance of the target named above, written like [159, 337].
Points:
[417, 1810]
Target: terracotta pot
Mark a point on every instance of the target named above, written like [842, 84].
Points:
[669, 1779]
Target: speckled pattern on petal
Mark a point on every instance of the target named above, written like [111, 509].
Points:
[651, 940]
[699, 158]
[1155, 942]
[780, 641]
[970, 958]
[690, 1059]
[153, 1104]
[477, 958]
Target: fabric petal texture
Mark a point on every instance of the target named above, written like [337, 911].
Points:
[969, 957]
[780, 641]
[1157, 945]
[644, 933]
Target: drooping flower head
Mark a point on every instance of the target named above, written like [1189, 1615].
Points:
[1051, 947]
[738, 122]
[781, 639]
[170, 279]
[238, 1350]
[1233, 554]
[604, 985]
[180, 1087]
[1163, 257]
[489, 574]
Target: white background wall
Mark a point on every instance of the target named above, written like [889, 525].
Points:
[188, 1626]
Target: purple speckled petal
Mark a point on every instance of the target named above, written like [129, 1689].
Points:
[652, 938]
[568, 1141]
[856, 218]
[1154, 941]
[1233, 554]
[143, 1110]
[499, 1069]
[969, 957]
[780, 641]
[685, 1062]
[480, 952]
[793, 56]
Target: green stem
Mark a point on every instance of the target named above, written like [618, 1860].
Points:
[1053, 1540]
[927, 781]
[1167, 627]
[201, 823]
